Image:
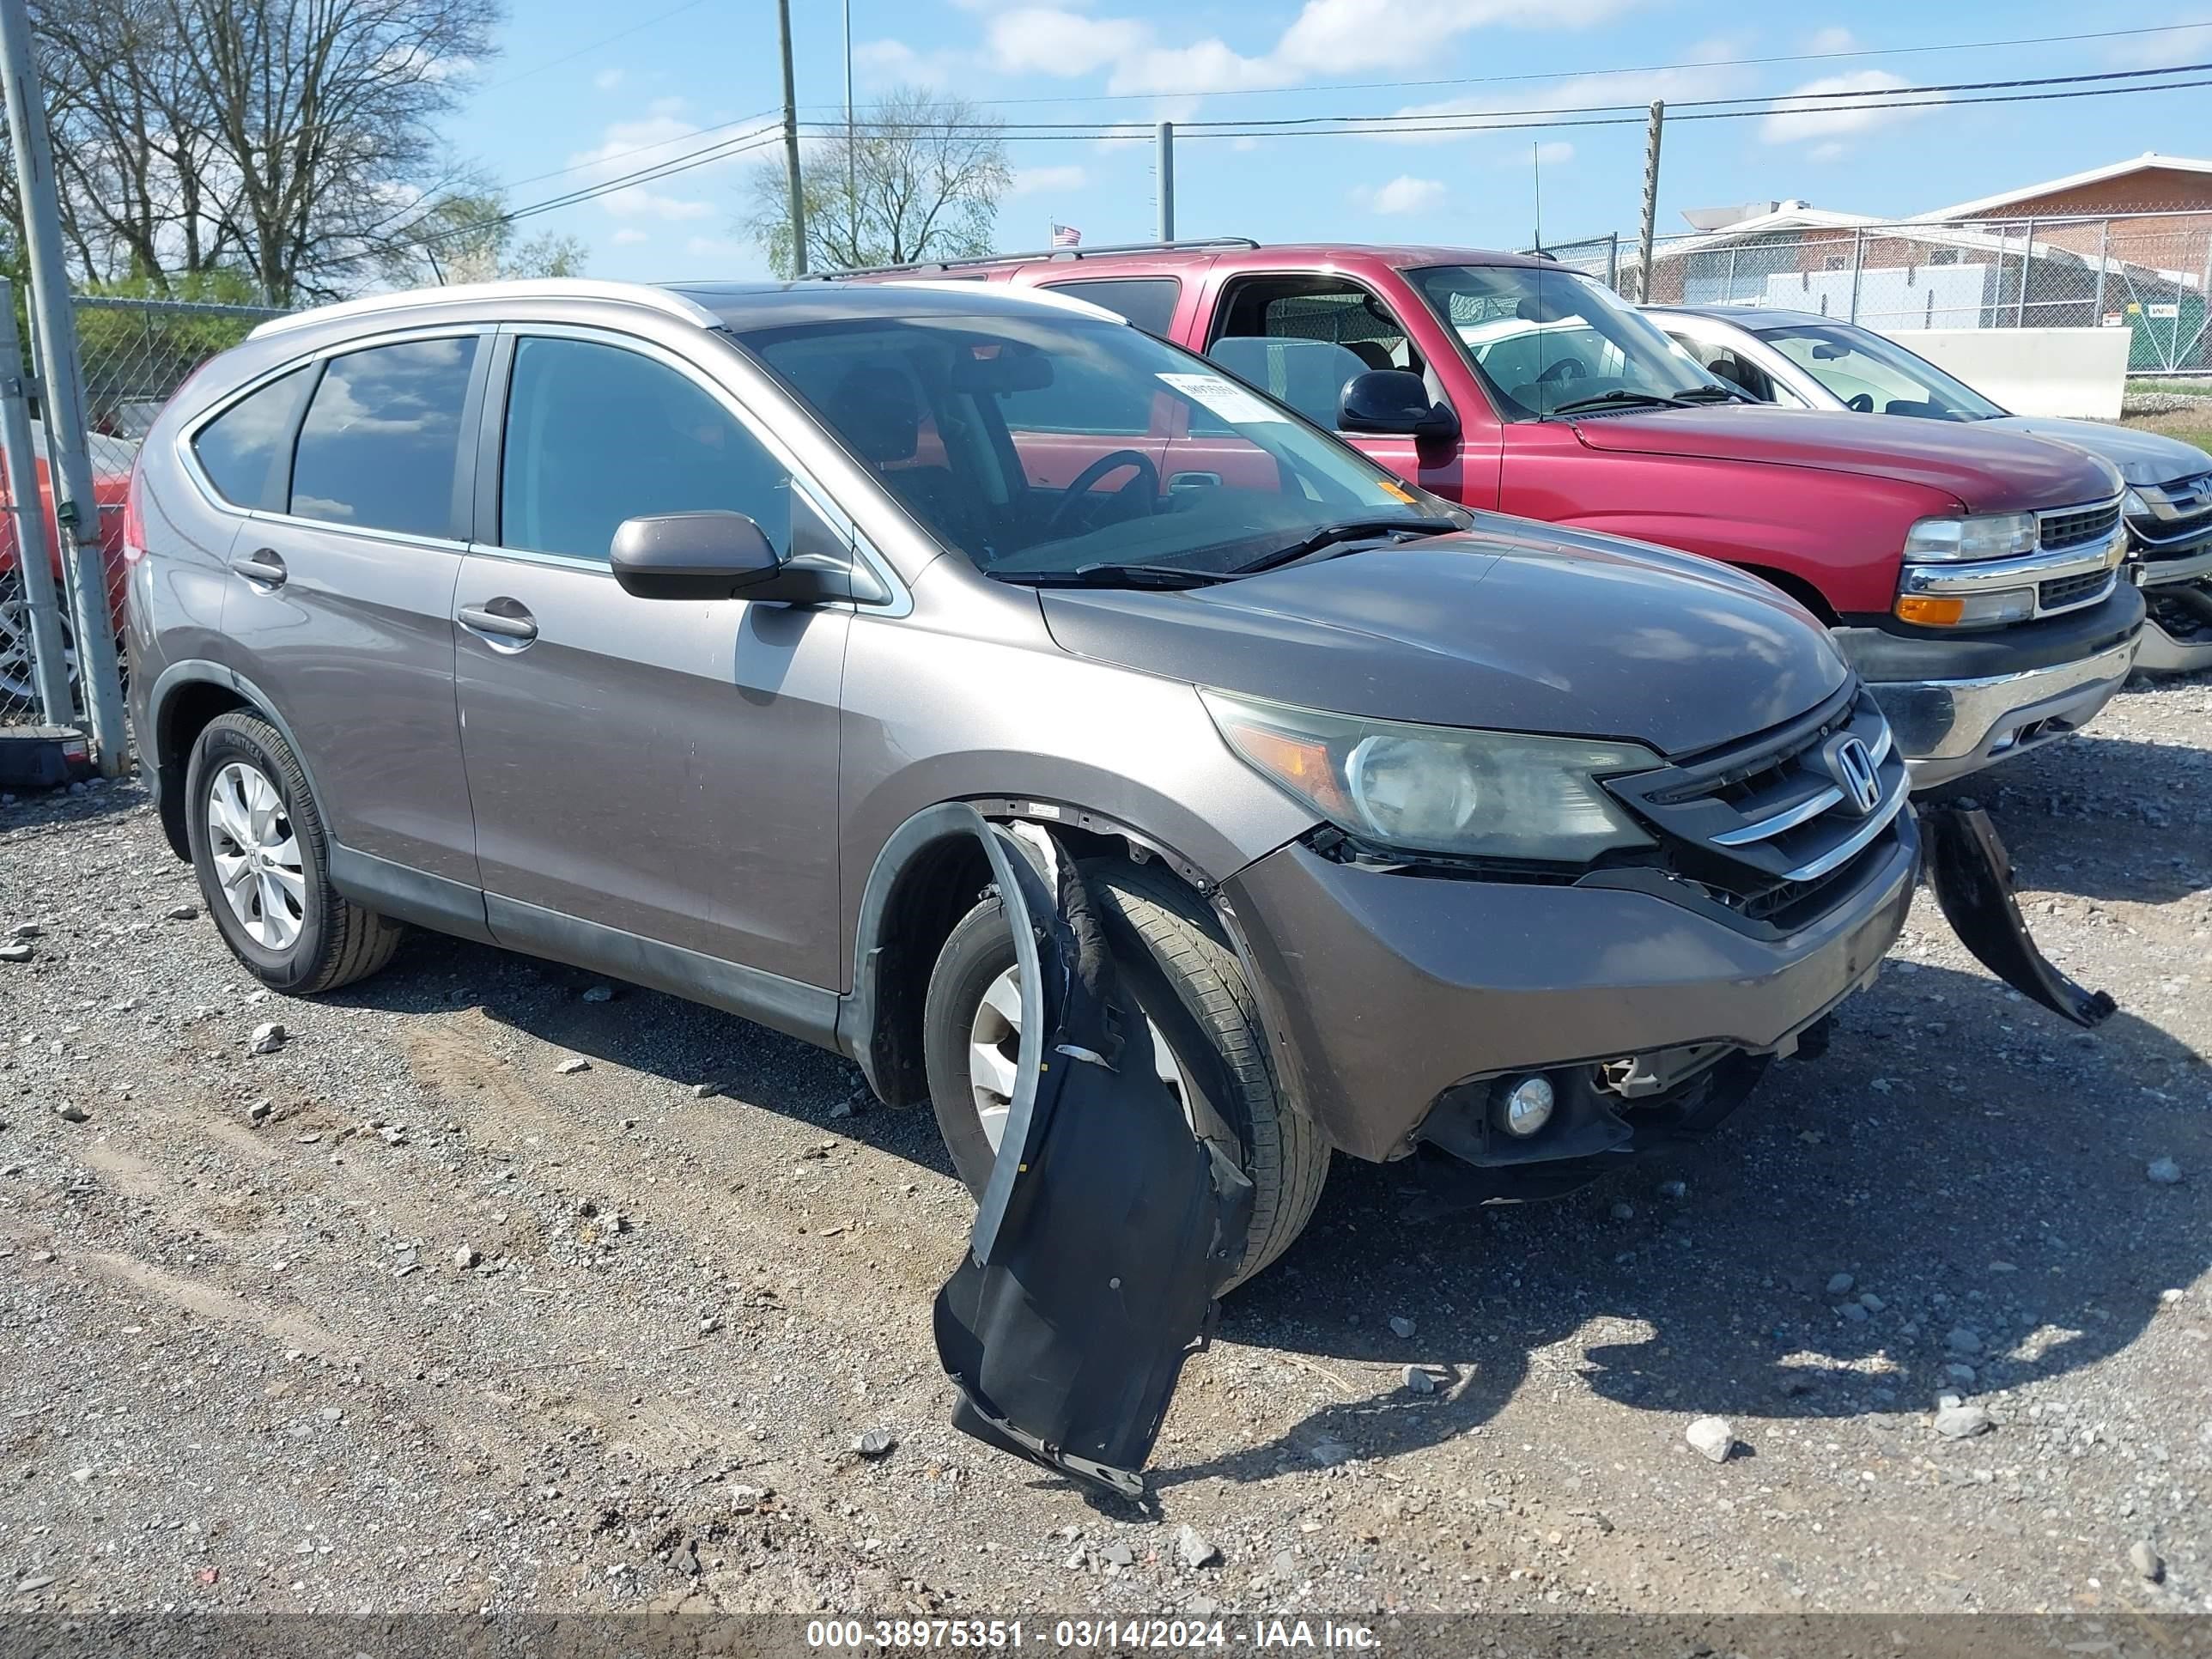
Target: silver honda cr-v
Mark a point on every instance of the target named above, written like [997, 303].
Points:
[641, 629]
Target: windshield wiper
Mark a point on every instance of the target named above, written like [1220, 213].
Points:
[1344, 529]
[1620, 394]
[1713, 394]
[1166, 576]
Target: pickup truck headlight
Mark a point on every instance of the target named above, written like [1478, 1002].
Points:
[1439, 788]
[1977, 535]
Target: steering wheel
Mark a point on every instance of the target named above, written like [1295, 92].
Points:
[1863, 403]
[1073, 496]
[1567, 368]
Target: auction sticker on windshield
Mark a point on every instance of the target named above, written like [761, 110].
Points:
[1233, 403]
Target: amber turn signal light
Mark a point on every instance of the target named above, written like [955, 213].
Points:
[1931, 612]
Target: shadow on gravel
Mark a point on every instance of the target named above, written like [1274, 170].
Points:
[663, 1036]
[1975, 1167]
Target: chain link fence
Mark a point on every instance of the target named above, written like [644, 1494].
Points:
[136, 354]
[2148, 273]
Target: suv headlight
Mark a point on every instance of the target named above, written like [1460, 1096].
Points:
[1439, 788]
[1977, 535]
[2133, 506]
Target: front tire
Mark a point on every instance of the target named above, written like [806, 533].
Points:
[1143, 909]
[263, 858]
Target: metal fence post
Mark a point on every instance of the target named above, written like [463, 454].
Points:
[2104, 252]
[1613, 262]
[61, 398]
[2027, 272]
[34, 569]
[1858, 263]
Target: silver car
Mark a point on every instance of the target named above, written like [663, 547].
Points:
[1801, 361]
[654, 629]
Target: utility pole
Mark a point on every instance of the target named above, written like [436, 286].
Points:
[852, 156]
[60, 399]
[790, 140]
[1165, 142]
[1650, 201]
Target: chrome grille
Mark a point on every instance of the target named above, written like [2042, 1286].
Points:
[2078, 526]
[2066, 591]
[1761, 821]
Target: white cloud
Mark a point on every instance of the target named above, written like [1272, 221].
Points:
[714, 247]
[1326, 37]
[2188, 44]
[880, 63]
[1556, 153]
[630, 236]
[1033, 181]
[1804, 114]
[1834, 38]
[1404, 194]
[1048, 40]
[627, 146]
[607, 79]
[1830, 151]
[1706, 76]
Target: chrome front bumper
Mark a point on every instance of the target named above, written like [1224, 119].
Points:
[1948, 728]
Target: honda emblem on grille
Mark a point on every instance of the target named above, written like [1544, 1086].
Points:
[1848, 762]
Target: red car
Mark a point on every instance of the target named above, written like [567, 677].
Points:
[111, 458]
[1974, 578]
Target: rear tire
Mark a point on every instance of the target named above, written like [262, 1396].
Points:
[291, 928]
[1143, 909]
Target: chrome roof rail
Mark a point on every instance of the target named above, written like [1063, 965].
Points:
[542, 287]
[1072, 254]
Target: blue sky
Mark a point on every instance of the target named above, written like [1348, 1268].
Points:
[584, 91]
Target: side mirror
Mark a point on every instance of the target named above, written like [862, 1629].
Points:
[1393, 401]
[720, 555]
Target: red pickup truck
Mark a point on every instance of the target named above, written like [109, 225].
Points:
[1974, 578]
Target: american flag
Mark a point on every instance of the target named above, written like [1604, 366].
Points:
[1065, 236]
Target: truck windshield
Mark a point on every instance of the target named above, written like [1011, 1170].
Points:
[1047, 445]
[1547, 341]
[1875, 375]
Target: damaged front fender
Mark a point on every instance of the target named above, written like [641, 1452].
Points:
[1107, 1230]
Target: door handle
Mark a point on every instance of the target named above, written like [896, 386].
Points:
[262, 565]
[512, 621]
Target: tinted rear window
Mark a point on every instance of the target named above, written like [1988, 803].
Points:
[377, 447]
[1147, 302]
[241, 449]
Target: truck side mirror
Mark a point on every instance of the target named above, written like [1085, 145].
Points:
[1393, 401]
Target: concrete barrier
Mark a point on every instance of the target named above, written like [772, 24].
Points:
[2076, 372]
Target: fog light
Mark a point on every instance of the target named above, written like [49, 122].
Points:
[1527, 1106]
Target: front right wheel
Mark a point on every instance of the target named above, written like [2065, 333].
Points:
[971, 1032]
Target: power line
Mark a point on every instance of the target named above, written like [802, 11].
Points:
[1642, 69]
[1259, 125]
[639, 149]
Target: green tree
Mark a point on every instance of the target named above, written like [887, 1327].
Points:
[922, 178]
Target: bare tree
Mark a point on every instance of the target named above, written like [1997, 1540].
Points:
[323, 116]
[465, 236]
[921, 179]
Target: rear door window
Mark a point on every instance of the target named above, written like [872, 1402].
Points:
[382, 437]
[1149, 303]
[596, 434]
[243, 449]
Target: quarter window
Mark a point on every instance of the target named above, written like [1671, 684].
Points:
[241, 450]
[1148, 302]
[596, 434]
[383, 432]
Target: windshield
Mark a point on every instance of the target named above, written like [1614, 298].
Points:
[1048, 444]
[1873, 374]
[1542, 338]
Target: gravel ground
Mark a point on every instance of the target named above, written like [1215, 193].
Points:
[415, 1314]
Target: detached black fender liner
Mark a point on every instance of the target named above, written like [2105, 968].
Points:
[1107, 1230]
[1973, 877]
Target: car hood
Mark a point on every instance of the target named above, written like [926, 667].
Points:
[1984, 472]
[1514, 627]
[2143, 457]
